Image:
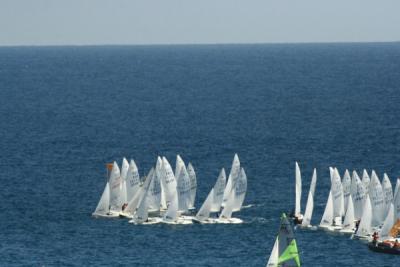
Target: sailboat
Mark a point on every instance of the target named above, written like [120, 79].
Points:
[235, 200]
[233, 177]
[203, 214]
[387, 193]
[377, 201]
[141, 215]
[193, 185]
[171, 195]
[338, 200]
[103, 208]
[298, 217]
[349, 223]
[306, 222]
[387, 242]
[327, 217]
[364, 229]
[213, 201]
[358, 195]
[132, 181]
[284, 252]
[133, 204]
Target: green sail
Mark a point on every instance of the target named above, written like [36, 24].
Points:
[291, 252]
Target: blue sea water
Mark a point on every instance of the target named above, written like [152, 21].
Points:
[66, 111]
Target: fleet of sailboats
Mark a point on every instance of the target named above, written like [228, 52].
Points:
[364, 208]
[167, 196]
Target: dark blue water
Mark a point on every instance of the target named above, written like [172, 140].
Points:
[66, 111]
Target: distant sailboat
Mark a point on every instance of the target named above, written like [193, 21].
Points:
[284, 252]
[377, 202]
[364, 228]
[297, 210]
[358, 195]
[235, 200]
[306, 222]
[233, 176]
[203, 214]
[193, 185]
[349, 223]
[327, 217]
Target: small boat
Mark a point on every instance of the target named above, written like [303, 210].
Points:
[284, 252]
[389, 247]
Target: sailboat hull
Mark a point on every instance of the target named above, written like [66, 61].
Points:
[107, 215]
[229, 221]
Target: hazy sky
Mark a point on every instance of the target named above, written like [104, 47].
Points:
[46, 22]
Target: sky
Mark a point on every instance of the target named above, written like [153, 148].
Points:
[97, 22]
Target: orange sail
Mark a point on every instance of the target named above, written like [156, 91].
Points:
[395, 231]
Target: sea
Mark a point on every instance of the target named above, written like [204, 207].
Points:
[67, 111]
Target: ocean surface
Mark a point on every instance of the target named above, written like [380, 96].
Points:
[67, 111]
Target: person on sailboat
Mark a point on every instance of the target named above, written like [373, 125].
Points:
[124, 206]
[375, 238]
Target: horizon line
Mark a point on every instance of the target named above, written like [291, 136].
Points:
[199, 44]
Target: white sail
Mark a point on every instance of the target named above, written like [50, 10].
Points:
[377, 202]
[154, 194]
[183, 188]
[310, 201]
[388, 224]
[103, 205]
[228, 209]
[160, 174]
[274, 257]
[348, 223]
[124, 173]
[135, 201]
[115, 189]
[366, 180]
[132, 181]
[204, 212]
[327, 217]
[364, 227]
[171, 214]
[396, 200]
[387, 193]
[178, 166]
[233, 176]
[358, 196]
[337, 193]
[168, 181]
[297, 210]
[218, 192]
[240, 191]
[193, 184]
[346, 184]
[141, 215]
[396, 188]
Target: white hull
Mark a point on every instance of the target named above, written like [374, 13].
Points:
[107, 215]
[125, 215]
[152, 220]
[309, 227]
[229, 221]
[347, 231]
[179, 221]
